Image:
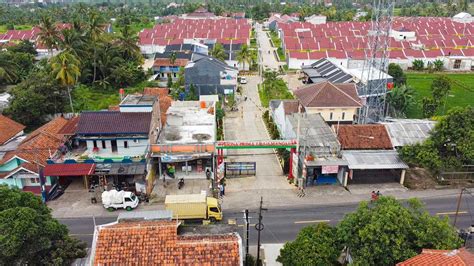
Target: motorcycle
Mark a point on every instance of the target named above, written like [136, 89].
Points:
[181, 183]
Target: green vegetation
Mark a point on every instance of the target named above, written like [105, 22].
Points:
[281, 54]
[30, 235]
[461, 93]
[273, 87]
[275, 40]
[450, 145]
[383, 232]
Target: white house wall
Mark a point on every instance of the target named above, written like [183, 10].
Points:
[136, 147]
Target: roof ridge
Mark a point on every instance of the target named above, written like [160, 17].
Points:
[350, 97]
[318, 92]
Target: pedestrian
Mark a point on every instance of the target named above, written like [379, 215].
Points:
[219, 186]
[373, 196]
[223, 189]
[378, 194]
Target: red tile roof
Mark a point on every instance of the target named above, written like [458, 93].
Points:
[157, 243]
[70, 127]
[327, 94]
[9, 129]
[73, 169]
[433, 257]
[363, 137]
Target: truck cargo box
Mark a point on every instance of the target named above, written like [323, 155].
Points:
[191, 206]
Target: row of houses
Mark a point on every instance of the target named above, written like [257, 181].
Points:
[428, 39]
[336, 150]
[121, 146]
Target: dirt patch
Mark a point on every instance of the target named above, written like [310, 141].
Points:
[419, 178]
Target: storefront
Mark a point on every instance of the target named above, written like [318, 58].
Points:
[323, 171]
[185, 166]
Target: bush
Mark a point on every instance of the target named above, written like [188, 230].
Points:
[418, 65]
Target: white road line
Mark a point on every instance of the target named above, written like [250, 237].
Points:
[312, 222]
[451, 213]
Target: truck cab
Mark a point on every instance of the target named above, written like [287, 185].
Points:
[214, 210]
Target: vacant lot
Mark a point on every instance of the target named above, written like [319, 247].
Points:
[461, 94]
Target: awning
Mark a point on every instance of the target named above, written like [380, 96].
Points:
[370, 160]
[127, 169]
[326, 161]
[73, 169]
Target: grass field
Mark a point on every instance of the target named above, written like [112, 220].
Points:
[3, 28]
[461, 94]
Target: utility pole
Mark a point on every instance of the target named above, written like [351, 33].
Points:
[246, 234]
[457, 208]
[259, 227]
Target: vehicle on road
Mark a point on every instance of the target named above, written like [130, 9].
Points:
[193, 206]
[243, 80]
[114, 199]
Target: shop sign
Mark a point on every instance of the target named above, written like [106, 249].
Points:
[330, 169]
[175, 158]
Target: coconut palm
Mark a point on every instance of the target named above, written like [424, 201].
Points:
[66, 69]
[48, 34]
[244, 55]
[94, 30]
[72, 42]
[7, 70]
[399, 99]
[218, 52]
[128, 44]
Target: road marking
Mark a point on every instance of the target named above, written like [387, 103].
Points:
[242, 225]
[311, 222]
[451, 213]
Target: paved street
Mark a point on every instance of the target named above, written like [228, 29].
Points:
[282, 224]
[267, 51]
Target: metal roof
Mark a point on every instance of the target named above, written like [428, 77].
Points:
[408, 131]
[370, 160]
[127, 169]
[324, 69]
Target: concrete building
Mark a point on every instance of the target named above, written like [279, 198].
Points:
[316, 19]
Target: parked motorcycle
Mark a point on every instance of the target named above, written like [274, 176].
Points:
[181, 183]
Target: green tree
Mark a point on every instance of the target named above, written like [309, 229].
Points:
[399, 78]
[72, 42]
[418, 65]
[128, 44]
[30, 235]
[66, 69]
[94, 31]
[429, 106]
[314, 245]
[386, 232]
[440, 88]
[24, 46]
[218, 52]
[48, 33]
[244, 55]
[8, 69]
[399, 99]
[173, 57]
[438, 65]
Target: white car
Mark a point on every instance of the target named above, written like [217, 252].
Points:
[243, 80]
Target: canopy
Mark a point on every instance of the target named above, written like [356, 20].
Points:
[374, 159]
[73, 169]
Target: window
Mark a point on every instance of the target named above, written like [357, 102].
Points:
[174, 75]
[128, 199]
[125, 144]
[330, 116]
[343, 115]
[34, 180]
[95, 143]
[103, 144]
[214, 209]
[457, 64]
[136, 141]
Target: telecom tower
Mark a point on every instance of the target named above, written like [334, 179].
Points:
[374, 88]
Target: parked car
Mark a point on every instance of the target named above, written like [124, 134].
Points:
[243, 80]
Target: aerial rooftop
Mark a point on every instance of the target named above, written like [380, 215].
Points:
[138, 99]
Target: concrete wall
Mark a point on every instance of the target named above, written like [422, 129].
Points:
[136, 147]
[337, 113]
[280, 120]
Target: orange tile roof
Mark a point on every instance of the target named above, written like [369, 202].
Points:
[70, 127]
[163, 98]
[8, 129]
[157, 243]
[363, 137]
[39, 145]
[433, 257]
[181, 62]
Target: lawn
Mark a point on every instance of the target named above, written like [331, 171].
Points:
[461, 94]
[274, 90]
[3, 28]
[275, 40]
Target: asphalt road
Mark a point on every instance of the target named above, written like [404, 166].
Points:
[282, 225]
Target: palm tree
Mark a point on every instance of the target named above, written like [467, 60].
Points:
[399, 99]
[8, 70]
[49, 34]
[128, 44]
[218, 52]
[93, 31]
[173, 58]
[66, 69]
[244, 55]
[72, 42]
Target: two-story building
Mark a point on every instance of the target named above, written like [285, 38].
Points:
[336, 102]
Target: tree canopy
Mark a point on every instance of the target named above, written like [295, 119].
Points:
[30, 236]
[383, 232]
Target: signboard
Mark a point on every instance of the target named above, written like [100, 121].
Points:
[240, 168]
[228, 77]
[256, 144]
[175, 158]
[330, 169]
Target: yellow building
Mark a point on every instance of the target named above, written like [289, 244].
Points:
[337, 103]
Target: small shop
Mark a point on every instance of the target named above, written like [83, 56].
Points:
[185, 166]
[121, 176]
[323, 171]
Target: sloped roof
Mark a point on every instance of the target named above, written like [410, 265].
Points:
[157, 243]
[290, 106]
[363, 137]
[70, 127]
[163, 98]
[327, 94]
[8, 129]
[167, 62]
[433, 257]
[111, 122]
[408, 131]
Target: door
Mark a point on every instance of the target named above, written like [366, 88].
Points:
[114, 145]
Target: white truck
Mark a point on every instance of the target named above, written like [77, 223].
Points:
[114, 199]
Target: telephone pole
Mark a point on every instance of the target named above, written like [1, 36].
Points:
[246, 232]
[259, 227]
[458, 206]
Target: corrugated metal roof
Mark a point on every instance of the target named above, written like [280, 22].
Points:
[370, 160]
[408, 131]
